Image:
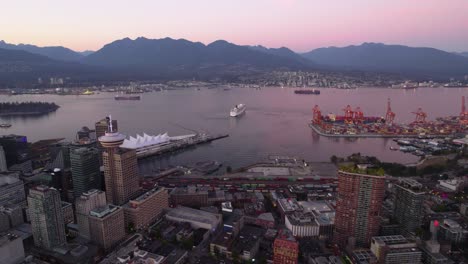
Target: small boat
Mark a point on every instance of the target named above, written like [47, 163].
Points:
[393, 148]
[88, 92]
[5, 125]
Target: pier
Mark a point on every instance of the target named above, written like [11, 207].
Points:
[177, 145]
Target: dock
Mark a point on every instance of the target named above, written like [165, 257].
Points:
[177, 145]
[368, 135]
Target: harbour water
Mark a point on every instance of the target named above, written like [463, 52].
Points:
[275, 123]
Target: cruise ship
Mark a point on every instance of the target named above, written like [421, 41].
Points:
[238, 110]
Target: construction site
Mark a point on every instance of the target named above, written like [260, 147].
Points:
[355, 124]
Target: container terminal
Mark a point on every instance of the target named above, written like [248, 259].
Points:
[355, 124]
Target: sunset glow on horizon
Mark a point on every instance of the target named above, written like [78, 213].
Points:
[301, 25]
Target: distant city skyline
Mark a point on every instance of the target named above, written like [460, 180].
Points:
[301, 25]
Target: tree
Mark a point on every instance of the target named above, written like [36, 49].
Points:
[228, 169]
[187, 244]
[334, 159]
[131, 227]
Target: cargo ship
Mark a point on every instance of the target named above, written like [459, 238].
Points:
[127, 97]
[313, 91]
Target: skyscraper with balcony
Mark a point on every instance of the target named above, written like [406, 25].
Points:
[358, 206]
[120, 168]
[409, 199]
[45, 212]
[85, 169]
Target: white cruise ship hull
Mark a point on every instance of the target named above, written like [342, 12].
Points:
[237, 111]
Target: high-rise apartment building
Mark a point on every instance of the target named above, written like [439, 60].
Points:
[358, 207]
[16, 149]
[12, 190]
[85, 169]
[409, 199]
[285, 248]
[120, 168]
[45, 213]
[3, 164]
[106, 226]
[103, 125]
[84, 204]
[146, 208]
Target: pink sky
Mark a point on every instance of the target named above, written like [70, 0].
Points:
[301, 25]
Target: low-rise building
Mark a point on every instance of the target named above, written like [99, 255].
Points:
[11, 249]
[248, 242]
[196, 218]
[395, 250]
[189, 196]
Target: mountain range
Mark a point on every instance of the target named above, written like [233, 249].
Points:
[378, 57]
[171, 59]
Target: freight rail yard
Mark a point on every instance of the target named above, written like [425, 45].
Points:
[355, 124]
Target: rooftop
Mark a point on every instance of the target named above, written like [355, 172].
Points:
[364, 170]
[190, 214]
[101, 212]
[285, 234]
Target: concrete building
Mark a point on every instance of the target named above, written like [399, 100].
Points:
[87, 202]
[285, 248]
[452, 231]
[189, 196]
[67, 211]
[45, 213]
[248, 243]
[196, 218]
[146, 208]
[85, 169]
[3, 163]
[120, 168]
[395, 250]
[102, 126]
[302, 224]
[358, 207]
[11, 249]
[107, 226]
[11, 190]
[409, 199]
[16, 149]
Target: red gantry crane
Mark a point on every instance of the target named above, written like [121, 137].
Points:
[390, 116]
[358, 115]
[463, 114]
[349, 114]
[420, 116]
[317, 115]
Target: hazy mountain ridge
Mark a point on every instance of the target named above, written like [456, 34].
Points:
[400, 59]
[53, 52]
[167, 52]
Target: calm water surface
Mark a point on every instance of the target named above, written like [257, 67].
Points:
[275, 121]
